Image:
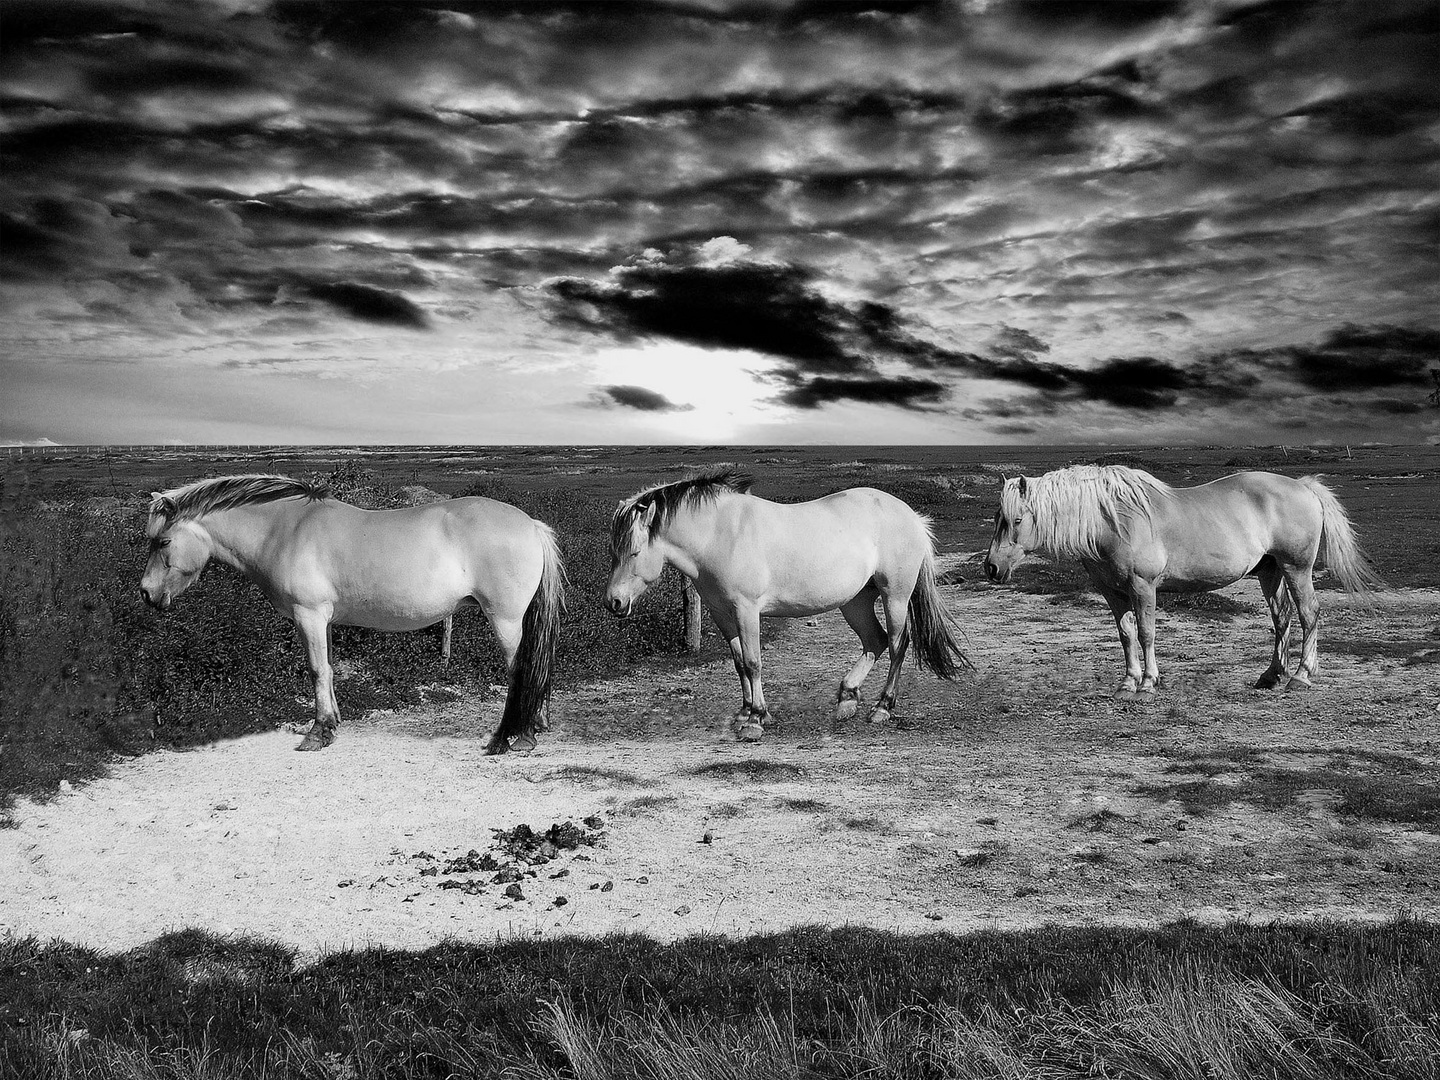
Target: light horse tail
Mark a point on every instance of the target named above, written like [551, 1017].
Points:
[929, 625]
[1339, 548]
[533, 669]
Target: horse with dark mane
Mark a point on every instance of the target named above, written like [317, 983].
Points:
[321, 561]
[749, 557]
[1136, 535]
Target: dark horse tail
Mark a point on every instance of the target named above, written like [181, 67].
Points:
[931, 629]
[533, 670]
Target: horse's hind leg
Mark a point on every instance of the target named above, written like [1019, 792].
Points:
[314, 627]
[1125, 626]
[1277, 599]
[859, 612]
[1307, 608]
[898, 633]
[508, 632]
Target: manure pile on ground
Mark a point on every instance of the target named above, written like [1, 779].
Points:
[516, 857]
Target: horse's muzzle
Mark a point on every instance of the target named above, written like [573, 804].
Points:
[157, 602]
[619, 608]
[992, 572]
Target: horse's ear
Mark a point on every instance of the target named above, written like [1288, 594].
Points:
[162, 505]
[650, 509]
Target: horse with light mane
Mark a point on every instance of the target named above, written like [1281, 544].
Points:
[750, 557]
[321, 561]
[1136, 535]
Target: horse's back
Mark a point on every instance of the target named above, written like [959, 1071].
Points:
[417, 559]
[800, 558]
[846, 516]
[1267, 495]
[1237, 520]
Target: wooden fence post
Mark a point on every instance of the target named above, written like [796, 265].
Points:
[691, 601]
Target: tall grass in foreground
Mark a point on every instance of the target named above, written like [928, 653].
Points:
[1308, 1002]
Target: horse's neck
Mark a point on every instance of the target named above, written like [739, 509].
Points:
[238, 535]
[1072, 523]
[686, 539]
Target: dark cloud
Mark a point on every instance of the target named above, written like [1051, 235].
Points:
[832, 347]
[1367, 357]
[369, 304]
[1101, 15]
[643, 399]
[905, 391]
[774, 310]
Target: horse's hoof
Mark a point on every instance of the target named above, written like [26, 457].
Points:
[1267, 682]
[879, 715]
[750, 732]
[1298, 684]
[1146, 688]
[846, 708]
[316, 742]
[523, 742]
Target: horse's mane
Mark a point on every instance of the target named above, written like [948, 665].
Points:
[704, 486]
[228, 492]
[1074, 507]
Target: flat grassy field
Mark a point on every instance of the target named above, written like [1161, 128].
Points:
[1020, 877]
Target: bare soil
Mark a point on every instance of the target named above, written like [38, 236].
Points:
[1025, 795]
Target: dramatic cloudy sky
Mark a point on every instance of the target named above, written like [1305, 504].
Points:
[978, 221]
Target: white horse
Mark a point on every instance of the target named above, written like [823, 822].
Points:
[1135, 535]
[749, 557]
[321, 561]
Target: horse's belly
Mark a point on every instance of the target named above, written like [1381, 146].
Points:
[398, 609]
[813, 598]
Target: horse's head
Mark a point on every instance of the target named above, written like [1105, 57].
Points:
[1014, 531]
[179, 550]
[635, 559]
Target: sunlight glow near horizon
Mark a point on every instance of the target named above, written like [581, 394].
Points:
[715, 389]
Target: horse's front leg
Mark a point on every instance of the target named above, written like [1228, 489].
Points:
[1142, 603]
[752, 725]
[1125, 626]
[729, 627]
[314, 626]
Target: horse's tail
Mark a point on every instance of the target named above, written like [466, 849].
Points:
[533, 670]
[931, 629]
[1339, 548]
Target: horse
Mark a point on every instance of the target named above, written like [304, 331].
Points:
[749, 557]
[322, 561]
[1136, 535]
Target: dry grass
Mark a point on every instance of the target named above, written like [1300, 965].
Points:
[1322, 1001]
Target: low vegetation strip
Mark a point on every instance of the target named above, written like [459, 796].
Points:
[1321, 1000]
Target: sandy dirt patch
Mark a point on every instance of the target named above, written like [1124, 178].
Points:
[1027, 795]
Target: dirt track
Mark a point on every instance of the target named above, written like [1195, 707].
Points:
[1006, 801]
